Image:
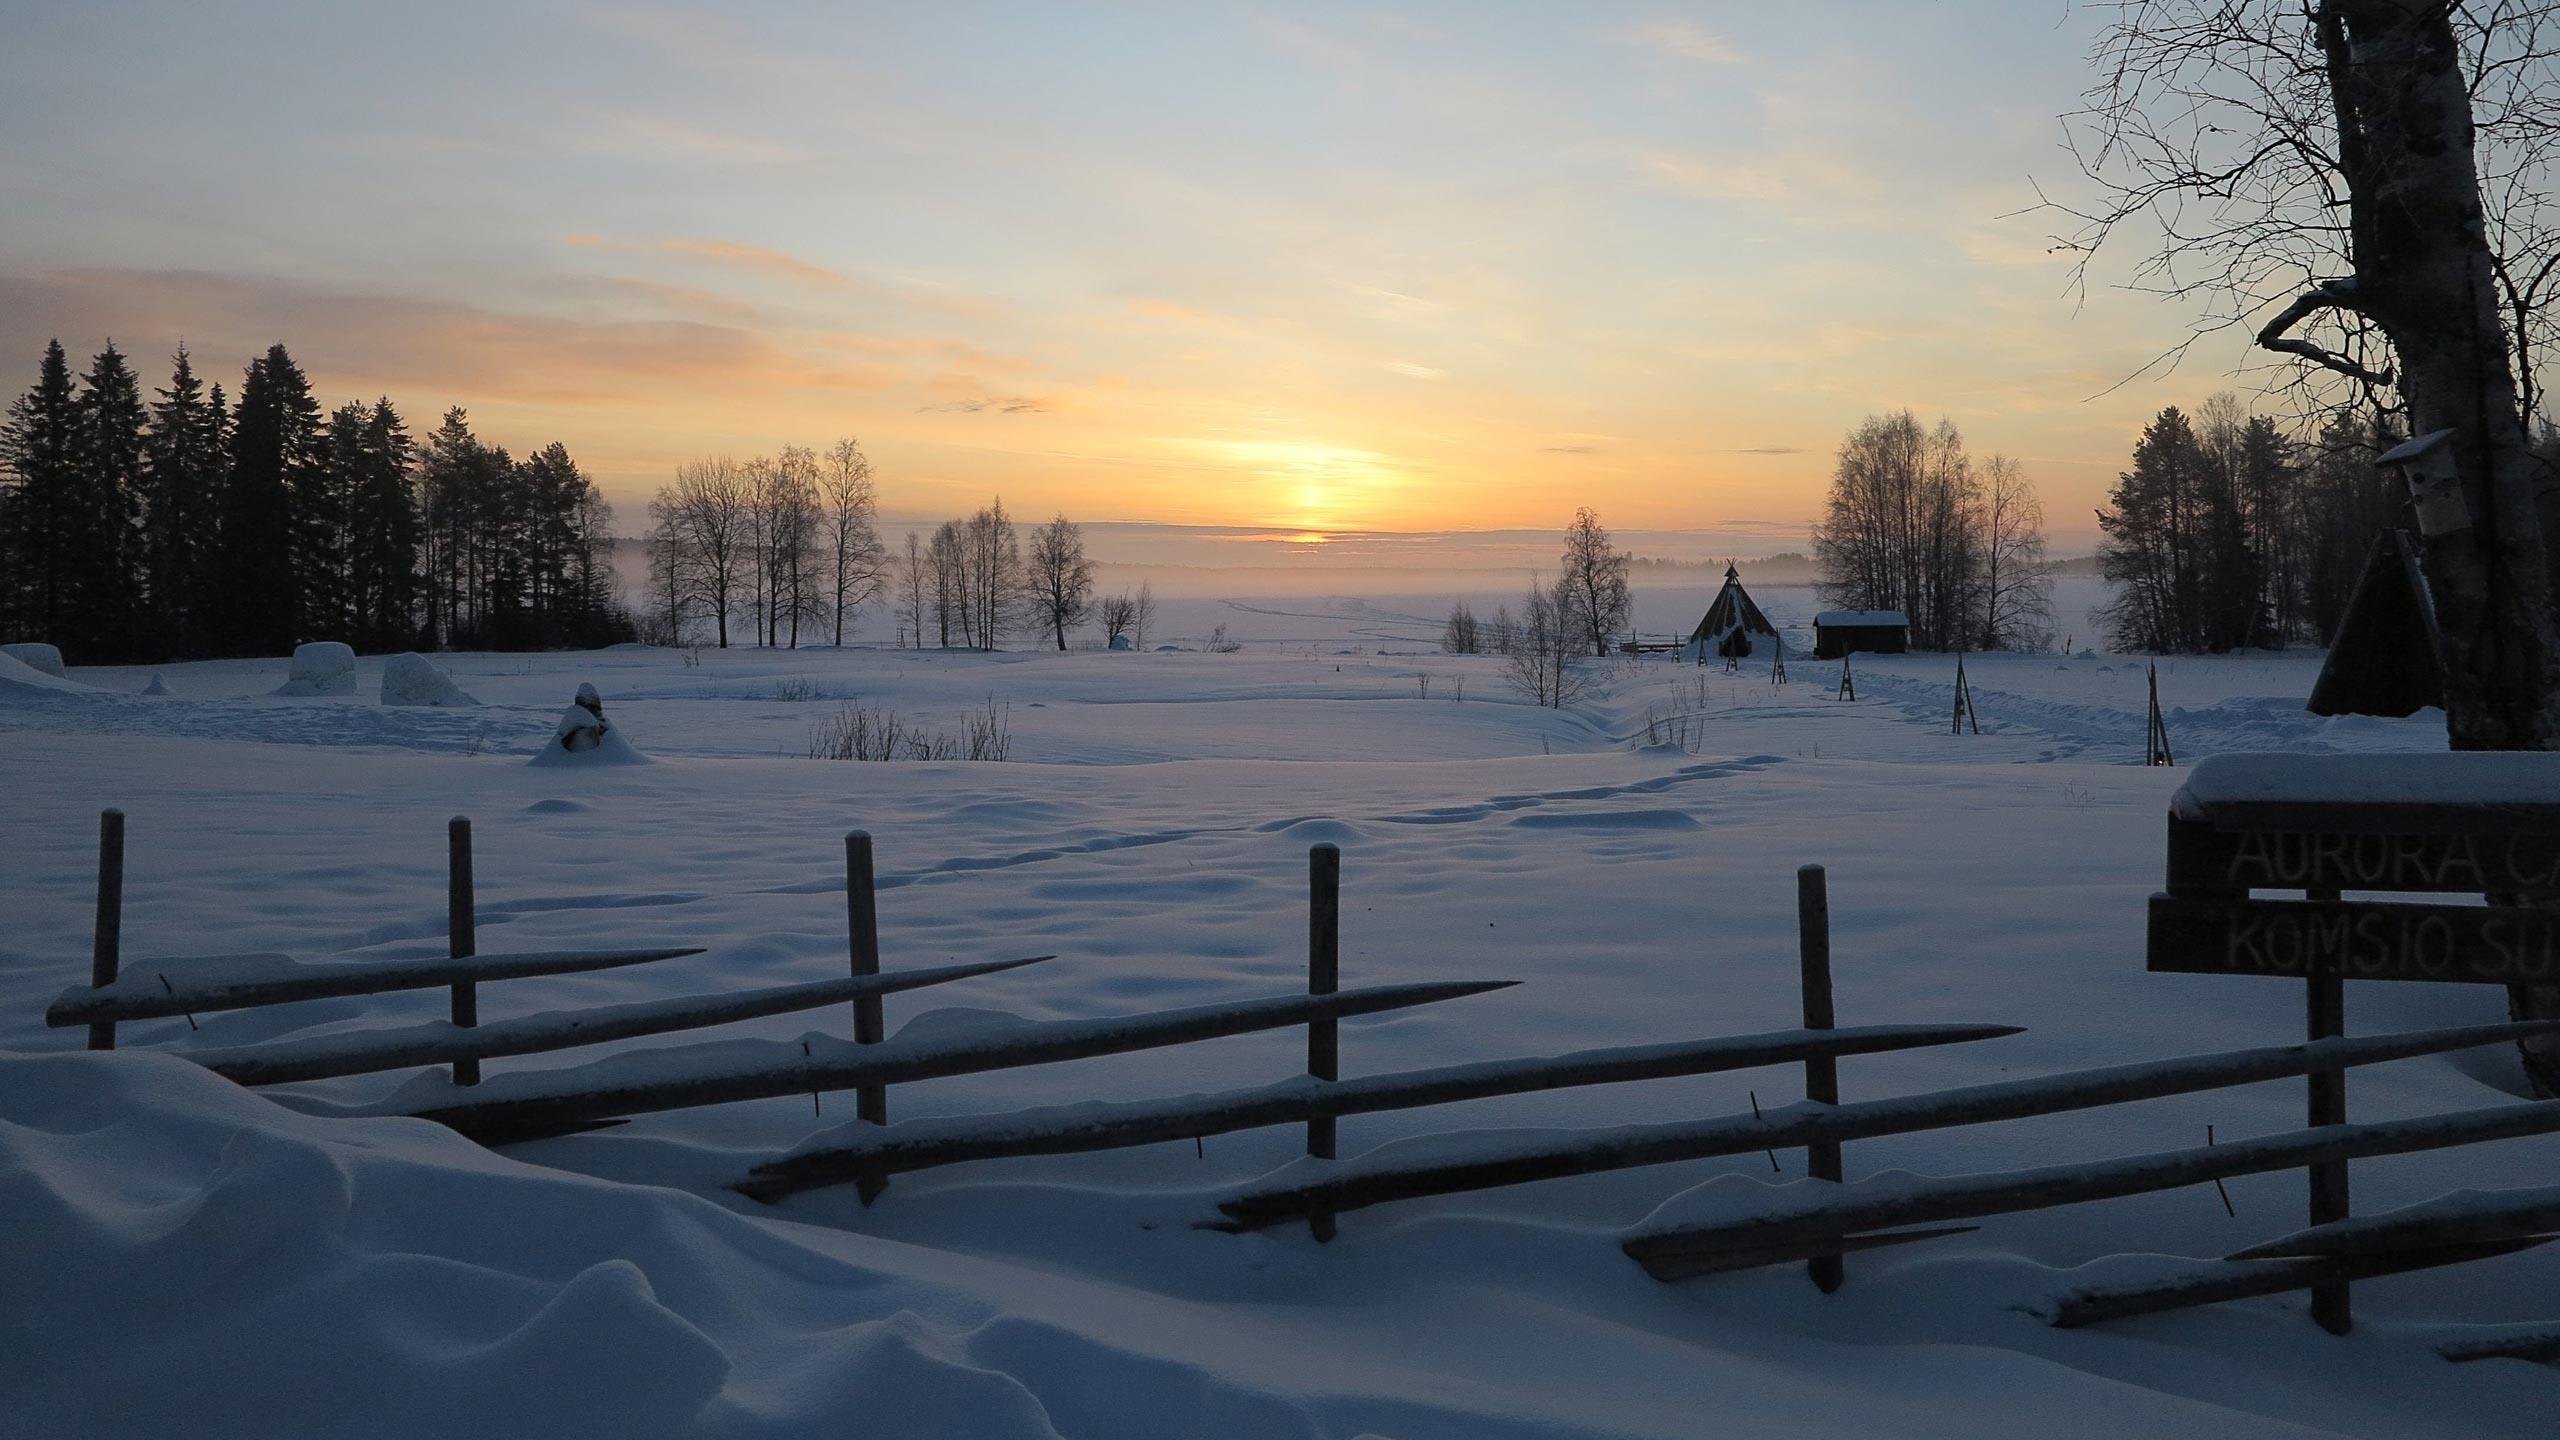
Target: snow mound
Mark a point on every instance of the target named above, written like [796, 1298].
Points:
[17, 677]
[322, 667]
[585, 737]
[1121, 642]
[392, 1280]
[412, 679]
[36, 655]
[159, 685]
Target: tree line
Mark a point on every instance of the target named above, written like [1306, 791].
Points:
[1916, 524]
[2227, 533]
[195, 524]
[777, 547]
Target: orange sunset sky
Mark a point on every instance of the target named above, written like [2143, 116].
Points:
[1312, 267]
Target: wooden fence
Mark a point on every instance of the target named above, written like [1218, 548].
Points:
[1789, 1228]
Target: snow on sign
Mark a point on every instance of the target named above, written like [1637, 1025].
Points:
[2474, 824]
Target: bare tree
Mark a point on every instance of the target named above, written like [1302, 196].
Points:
[705, 518]
[1059, 578]
[857, 566]
[915, 590]
[1461, 635]
[947, 559]
[1544, 644]
[1142, 614]
[991, 575]
[1117, 613]
[2017, 584]
[1593, 583]
[671, 587]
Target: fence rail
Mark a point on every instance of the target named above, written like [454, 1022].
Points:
[366, 1052]
[1548, 1156]
[856, 1151]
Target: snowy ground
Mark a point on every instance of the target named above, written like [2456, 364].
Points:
[291, 1275]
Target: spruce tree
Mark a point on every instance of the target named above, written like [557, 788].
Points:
[39, 447]
[274, 435]
[181, 499]
[101, 538]
[383, 526]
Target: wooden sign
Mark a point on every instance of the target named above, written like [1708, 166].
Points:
[2204, 857]
[2354, 940]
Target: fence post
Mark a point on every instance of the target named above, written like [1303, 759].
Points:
[462, 932]
[1821, 1077]
[1324, 977]
[862, 932]
[2327, 1015]
[106, 944]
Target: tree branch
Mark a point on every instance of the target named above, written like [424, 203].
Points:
[2327, 295]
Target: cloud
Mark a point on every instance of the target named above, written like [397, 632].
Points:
[1682, 40]
[1766, 450]
[755, 258]
[1417, 372]
[983, 404]
[433, 352]
[1572, 449]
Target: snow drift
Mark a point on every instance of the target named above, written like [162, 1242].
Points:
[413, 679]
[20, 678]
[322, 667]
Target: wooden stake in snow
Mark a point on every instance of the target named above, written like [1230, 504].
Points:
[1778, 667]
[1848, 687]
[862, 931]
[2156, 743]
[107, 939]
[1822, 1074]
[2326, 1013]
[1324, 977]
[1964, 703]
[462, 934]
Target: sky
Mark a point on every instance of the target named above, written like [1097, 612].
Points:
[1292, 270]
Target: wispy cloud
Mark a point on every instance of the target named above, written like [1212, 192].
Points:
[756, 258]
[1571, 450]
[1682, 40]
[988, 404]
[1416, 372]
[1765, 450]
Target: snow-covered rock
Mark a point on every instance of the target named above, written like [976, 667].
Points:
[36, 655]
[413, 679]
[322, 667]
[585, 737]
[159, 685]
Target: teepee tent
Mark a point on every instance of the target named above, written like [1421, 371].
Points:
[1733, 625]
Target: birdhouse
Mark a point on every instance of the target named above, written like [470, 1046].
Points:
[2435, 486]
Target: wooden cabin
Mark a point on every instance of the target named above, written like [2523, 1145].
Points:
[1875, 632]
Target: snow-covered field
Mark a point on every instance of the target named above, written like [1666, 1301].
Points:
[184, 1257]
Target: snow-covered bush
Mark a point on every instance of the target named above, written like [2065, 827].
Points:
[585, 737]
